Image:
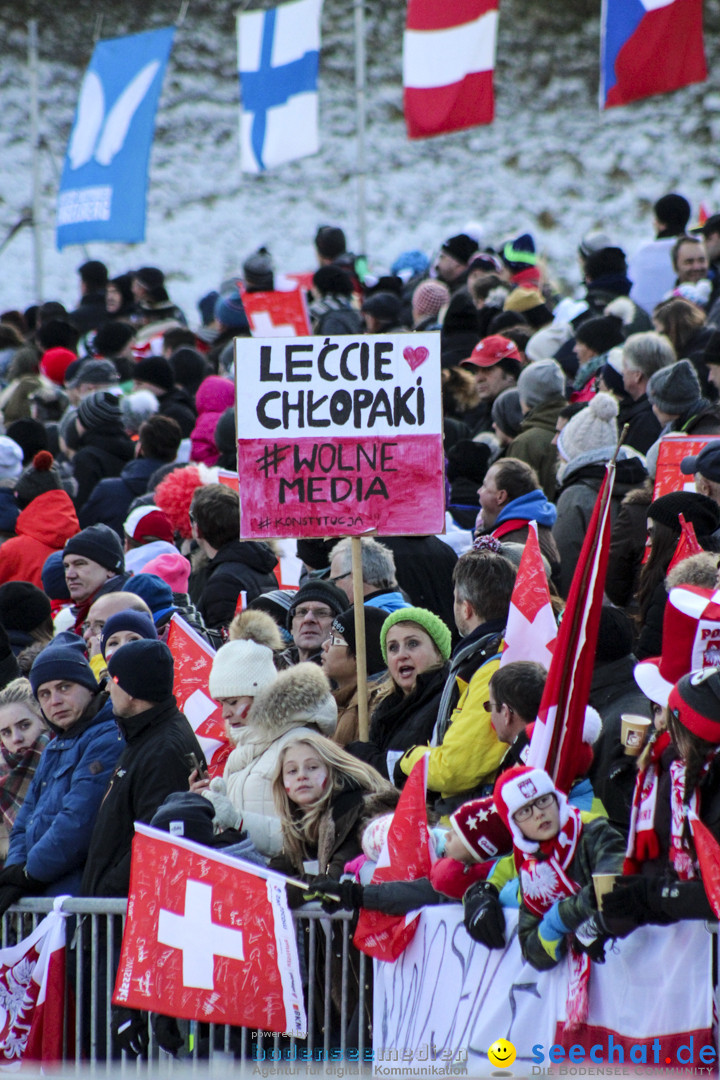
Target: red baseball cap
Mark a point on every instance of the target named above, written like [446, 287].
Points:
[491, 350]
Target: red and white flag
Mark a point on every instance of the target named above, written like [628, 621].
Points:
[277, 314]
[448, 62]
[406, 856]
[193, 660]
[32, 993]
[559, 728]
[531, 628]
[708, 853]
[687, 545]
[208, 937]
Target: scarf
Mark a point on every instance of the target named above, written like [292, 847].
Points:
[681, 856]
[643, 843]
[15, 775]
[544, 881]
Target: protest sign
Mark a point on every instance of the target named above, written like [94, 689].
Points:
[340, 436]
[673, 448]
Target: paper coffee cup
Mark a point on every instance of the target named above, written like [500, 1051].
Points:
[633, 733]
[602, 883]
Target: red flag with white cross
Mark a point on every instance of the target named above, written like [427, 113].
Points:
[208, 937]
[193, 659]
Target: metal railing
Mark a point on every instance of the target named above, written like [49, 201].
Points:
[334, 976]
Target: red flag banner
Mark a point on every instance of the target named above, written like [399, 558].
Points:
[277, 314]
[208, 937]
[405, 856]
[708, 853]
[559, 726]
[193, 660]
[687, 545]
[673, 448]
[531, 628]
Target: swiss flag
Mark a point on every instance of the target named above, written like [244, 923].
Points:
[406, 856]
[448, 62]
[193, 660]
[208, 937]
[531, 628]
[277, 314]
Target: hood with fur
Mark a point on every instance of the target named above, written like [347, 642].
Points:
[299, 696]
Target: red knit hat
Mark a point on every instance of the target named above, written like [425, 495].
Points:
[55, 363]
[696, 702]
[481, 829]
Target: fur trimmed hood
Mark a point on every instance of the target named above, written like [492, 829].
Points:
[299, 696]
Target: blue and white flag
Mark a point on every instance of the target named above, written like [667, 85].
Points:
[104, 177]
[278, 53]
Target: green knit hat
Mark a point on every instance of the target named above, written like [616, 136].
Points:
[430, 623]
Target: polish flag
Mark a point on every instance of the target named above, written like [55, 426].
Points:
[193, 660]
[531, 628]
[448, 62]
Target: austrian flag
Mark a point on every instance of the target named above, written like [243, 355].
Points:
[448, 62]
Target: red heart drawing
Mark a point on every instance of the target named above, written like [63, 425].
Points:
[415, 357]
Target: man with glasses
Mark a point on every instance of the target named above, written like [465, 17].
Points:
[380, 587]
[513, 702]
[310, 617]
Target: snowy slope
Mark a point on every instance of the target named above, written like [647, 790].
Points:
[550, 163]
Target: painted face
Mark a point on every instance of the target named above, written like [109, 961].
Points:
[234, 713]
[543, 822]
[410, 651]
[120, 637]
[19, 727]
[305, 775]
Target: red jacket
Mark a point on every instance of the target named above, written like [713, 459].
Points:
[44, 526]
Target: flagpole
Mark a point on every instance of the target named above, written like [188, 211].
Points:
[360, 84]
[360, 649]
[35, 142]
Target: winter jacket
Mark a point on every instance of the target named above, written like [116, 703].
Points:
[238, 565]
[465, 751]
[401, 721]
[178, 405]
[613, 692]
[600, 850]
[296, 704]
[643, 425]
[511, 528]
[627, 547]
[90, 313]
[386, 600]
[581, 482]
[335, 315]
[534, 444]
[214, 396]
[153, 764]
[110, 501]
[44, 526]
[424, 569]
[52, 831]
[348, 708]
[100, 454]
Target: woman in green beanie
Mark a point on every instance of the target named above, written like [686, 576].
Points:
[416, 645]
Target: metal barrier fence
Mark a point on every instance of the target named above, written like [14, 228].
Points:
[334, 975]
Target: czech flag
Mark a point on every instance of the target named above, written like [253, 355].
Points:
[649, 47]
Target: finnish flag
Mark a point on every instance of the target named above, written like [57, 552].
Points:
[278, 53]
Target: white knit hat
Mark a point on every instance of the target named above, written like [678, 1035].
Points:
[241, 668]
[594, 428]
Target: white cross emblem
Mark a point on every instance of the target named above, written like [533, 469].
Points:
[199, 939]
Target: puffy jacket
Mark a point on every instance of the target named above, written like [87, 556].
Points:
[52, 831]
[297, 703]
[44, 526]
[215, 395]
[111, 498]
[237, 566]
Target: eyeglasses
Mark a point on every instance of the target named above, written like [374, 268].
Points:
[490, 705]
[338, 641]
[526, 812]
[317, 613]
[340, 577]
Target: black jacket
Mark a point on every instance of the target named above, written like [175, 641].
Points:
[100, 454]
[613, 692]
[110, 502]
[153, 764]
[238, 565]
[178, 405]
[424, 571]
[402, 720]
[644, 427]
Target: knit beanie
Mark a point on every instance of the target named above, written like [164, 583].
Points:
[427, 620]
[96, 372]
[137, 622]
[674, 389]
[60, 661]
[143, 669]
[189, 367]
[38, 478]
[481, 829]
[155, 370]
[156, 593]
[385, 306]
[99, 543]
[55, 363]
[276, 604]
[696, 698]
[515, 788]
[315, 553]
[258, 270]
[11, 458]
[519, 254]
[23, 606]
[230, 312]
[600, 334]
[173, 569]
[322, 592]
[30, 435]
[241, 668]
[700, 511]
[111, 338]
[146, 523]
[344, 624]
[188, 814]
[53, 577]
[595, 428]
[429, 298]
[541, 381]
[99, 410]
[506, 411]
[461, 247]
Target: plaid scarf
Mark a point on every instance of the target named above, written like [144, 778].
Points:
[16, 772]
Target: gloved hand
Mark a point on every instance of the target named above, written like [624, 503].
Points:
[130, 1030]
[167, 1033]
[591, 937]
[15, 883]
[296, 897]
[656, 900]
[227, 816]
[484, 916]
[349, 893]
